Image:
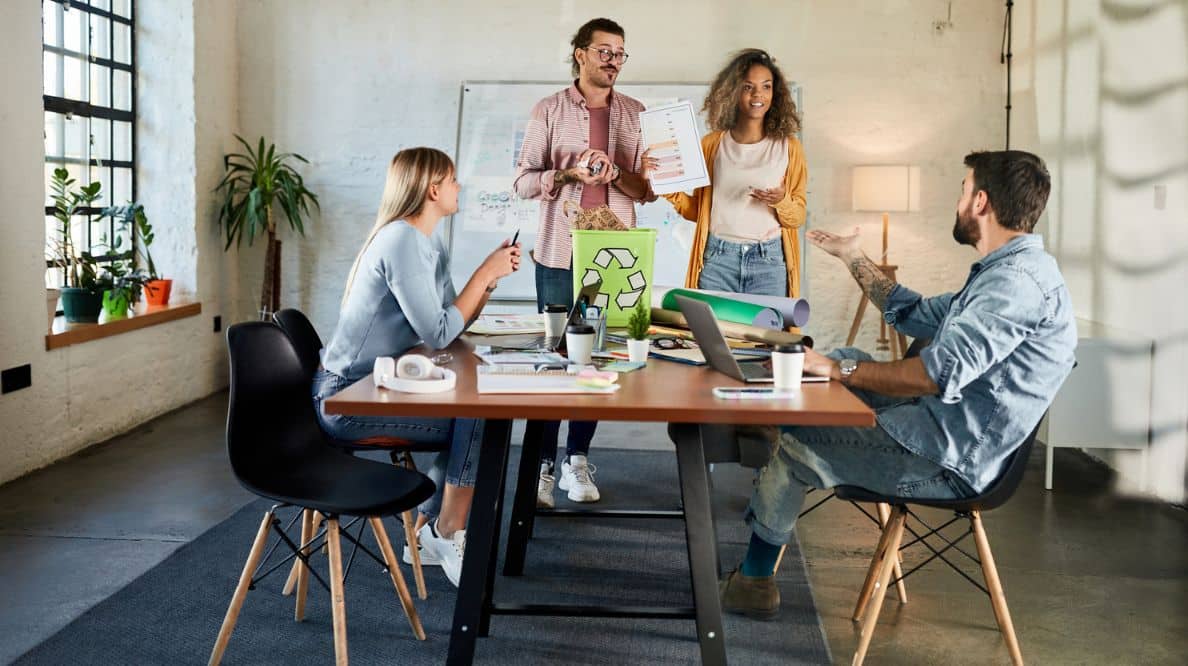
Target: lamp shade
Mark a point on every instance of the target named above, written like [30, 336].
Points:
[886, 188]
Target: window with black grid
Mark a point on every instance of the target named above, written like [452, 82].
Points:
[89, 73]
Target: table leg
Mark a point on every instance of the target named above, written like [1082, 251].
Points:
[523, 516]
[493, 555]
[703, 546]
[482, 529]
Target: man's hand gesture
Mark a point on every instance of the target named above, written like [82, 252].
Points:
[845, 248]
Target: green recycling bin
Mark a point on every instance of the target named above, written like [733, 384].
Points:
[623, 261]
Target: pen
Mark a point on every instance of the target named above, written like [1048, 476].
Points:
[514, 238]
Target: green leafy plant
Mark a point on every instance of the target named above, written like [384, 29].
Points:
[254, 182]
[79, 269]
[133, 218]
[640, 321]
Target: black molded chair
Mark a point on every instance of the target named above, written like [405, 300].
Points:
[878, 576]
[308, 343]
[278, 451]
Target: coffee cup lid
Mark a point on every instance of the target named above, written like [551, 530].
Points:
[580, 328]
[555, 307]
[794, 348]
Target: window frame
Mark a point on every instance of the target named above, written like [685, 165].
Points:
[73, 108]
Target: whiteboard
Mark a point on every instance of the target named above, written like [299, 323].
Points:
[492, 118]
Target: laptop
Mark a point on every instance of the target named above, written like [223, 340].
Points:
[577, 314]
[704, 326]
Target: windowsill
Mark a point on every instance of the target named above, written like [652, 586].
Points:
[63, 334]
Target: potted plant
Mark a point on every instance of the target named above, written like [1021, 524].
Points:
[253, 183]
[82, 294]
[638, 326]
[123, 285]
[132, 216]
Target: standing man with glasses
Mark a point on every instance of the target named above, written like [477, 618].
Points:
[582, 145]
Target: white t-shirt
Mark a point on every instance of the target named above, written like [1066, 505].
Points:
[734, 214]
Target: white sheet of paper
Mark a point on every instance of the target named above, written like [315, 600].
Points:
[670, 132]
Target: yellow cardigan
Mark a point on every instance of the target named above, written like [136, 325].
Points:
[790, 211]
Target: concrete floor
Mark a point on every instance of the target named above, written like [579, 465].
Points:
[1090, 578]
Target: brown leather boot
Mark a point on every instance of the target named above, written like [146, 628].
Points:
[753, 596]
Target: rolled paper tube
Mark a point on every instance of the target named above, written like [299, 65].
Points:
[733, 330]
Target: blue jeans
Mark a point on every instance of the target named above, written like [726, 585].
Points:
[555, 285]
[461, 439]
[824, 457]
[745, 268]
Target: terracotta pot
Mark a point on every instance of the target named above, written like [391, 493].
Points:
[156, 292]
[51, 305]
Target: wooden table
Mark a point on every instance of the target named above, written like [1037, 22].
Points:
[661, 392]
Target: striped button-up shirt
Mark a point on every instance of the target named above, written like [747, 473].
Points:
[557, 133]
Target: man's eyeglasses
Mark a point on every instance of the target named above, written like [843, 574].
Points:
[672, 343]
[605, 55]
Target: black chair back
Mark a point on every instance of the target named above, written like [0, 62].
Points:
[271, 425]
[303, 335]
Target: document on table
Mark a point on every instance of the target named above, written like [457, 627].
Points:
[507, 324]
[670, 132]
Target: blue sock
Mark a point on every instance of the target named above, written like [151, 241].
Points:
[761, 557]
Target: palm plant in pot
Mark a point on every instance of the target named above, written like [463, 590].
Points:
[133, 218]
[254, 183]
[82, 289]
[638, 325]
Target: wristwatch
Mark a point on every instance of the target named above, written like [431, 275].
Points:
[618, 172]
[847, 366]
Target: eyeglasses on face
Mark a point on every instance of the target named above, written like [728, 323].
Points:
[605, 55]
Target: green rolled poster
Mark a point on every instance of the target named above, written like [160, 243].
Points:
[727, 309]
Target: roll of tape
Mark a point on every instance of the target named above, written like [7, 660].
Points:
[415, 366]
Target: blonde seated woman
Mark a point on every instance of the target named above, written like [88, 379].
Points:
[399, 295]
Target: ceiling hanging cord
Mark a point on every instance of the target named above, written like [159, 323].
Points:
[1004, 57]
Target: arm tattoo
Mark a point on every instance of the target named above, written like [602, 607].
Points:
[873, 281]
[563, 178]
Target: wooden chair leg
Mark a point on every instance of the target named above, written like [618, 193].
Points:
[895, 529]
[414, 548]
[780, 557]
[884, 511]
[410, 611]
[872, 574]
[410, 534]
[302, 569]
[337, 596]
[997, 598]
[241, 590]
[291, 581]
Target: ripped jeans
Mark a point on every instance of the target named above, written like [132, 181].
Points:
[461, 439]
[824, 457]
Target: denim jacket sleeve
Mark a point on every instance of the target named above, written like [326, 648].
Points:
[997, 310]
[912, 314]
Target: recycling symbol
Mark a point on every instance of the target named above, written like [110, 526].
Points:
[635, 281]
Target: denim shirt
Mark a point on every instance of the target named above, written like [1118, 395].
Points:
[402, 296]
[1001, 347]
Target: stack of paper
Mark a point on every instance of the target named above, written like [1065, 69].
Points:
[499, 380]
[507, 324]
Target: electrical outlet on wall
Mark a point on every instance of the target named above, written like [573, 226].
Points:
[15, 379]
[218, 323]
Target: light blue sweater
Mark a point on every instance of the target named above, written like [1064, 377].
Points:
[402, 296]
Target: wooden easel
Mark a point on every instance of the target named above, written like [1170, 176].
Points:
[897, 343]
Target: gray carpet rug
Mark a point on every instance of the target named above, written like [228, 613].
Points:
[172, 613]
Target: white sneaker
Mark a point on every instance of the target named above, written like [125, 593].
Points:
[426, 559]
[577, 476]
[447, 552]
[544, 487]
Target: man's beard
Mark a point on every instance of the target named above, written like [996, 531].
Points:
[965, 229]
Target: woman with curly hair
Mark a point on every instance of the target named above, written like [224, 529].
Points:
[748, 216]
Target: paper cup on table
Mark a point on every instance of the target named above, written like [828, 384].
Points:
[555, 315]
[787, 366]
[579, 343]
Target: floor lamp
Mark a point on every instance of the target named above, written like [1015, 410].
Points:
[884, 189]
